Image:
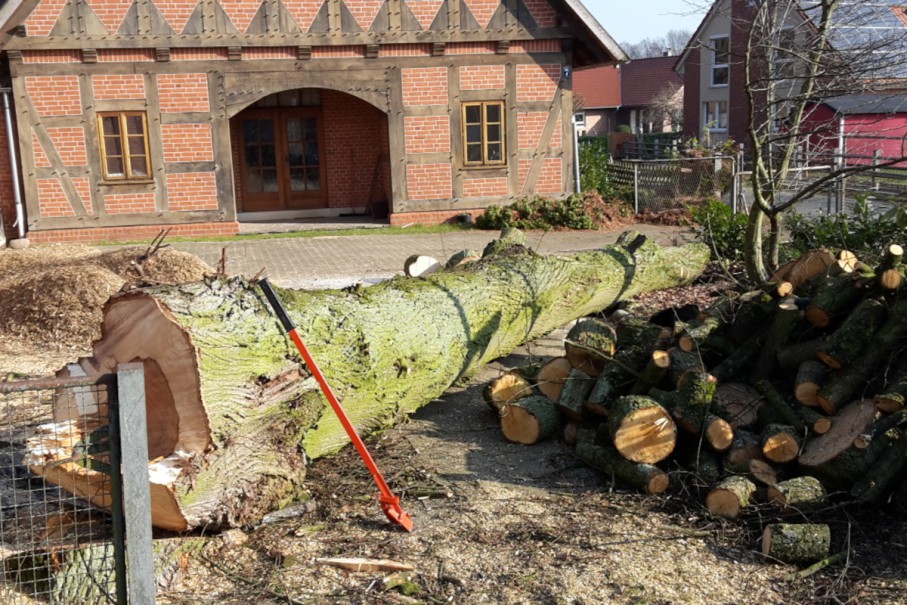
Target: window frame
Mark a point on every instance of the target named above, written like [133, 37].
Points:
[127, 176]
[716, 65]
[485, 162]
[717, 115]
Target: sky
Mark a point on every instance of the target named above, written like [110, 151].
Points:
[635, 20]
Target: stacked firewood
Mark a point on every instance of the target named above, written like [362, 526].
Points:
[782, 395]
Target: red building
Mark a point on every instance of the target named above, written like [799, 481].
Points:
[196, 115]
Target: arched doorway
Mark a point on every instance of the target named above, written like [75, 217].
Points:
[310, 152]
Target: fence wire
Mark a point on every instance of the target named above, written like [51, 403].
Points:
[660, 185]
[55, 545]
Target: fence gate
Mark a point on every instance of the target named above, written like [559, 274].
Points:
[66, 445]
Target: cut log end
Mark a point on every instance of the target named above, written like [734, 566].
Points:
[719, 433]
[552, 376]
[646, 435]
[781, 447]
[730, 497]
[529, 420]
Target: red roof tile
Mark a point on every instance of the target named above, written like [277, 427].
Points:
[599, 86]
[642, 79]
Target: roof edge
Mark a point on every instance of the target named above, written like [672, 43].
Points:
[681, 59]
[597, 31]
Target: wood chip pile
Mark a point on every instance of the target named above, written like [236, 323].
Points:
[792, 396]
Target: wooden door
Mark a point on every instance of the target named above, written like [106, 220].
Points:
[282, 160]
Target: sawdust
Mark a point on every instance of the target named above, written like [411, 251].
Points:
[51, 297]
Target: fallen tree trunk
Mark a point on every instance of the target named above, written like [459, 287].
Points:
[233, 413]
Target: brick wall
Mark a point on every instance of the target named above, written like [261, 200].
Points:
[550, 179]
[51, 56]
[54, 95]
[42, 19]
[484, 77]
[187, 142]
[199, 54]
[192, 191]
[425, 86]
[110, 12]
[116, 55]
[138, 233]
[485, 187]
[53, 200]
[483, 10]
[432, 217]
[176, 12]
[471, 48]
[530, 126]
[183, 92]
[355, 136]
[115, 87]
[537, 82]
[303, 12]
[404, 50]
[364, 11]
[428, 181]
[542, 12]
[426, 134]
[70, 144]
[270, 54]
[240, 12]
[424, 11]
[125, 203]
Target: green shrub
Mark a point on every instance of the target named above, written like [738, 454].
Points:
[864, 232]
[723, 231]
[578, 211]
[594, 162]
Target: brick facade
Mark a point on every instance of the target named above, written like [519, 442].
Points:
[187, 143]
[425, 134]
[356, 141]
[425, 86]
[183, 92]
[191, 95]
[482, 77]
[428, 181]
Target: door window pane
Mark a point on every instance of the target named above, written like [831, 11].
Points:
[269, 181]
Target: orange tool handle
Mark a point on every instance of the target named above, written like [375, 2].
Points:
[389, 502]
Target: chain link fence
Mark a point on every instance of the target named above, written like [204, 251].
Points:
[62, 523]
[666, 184]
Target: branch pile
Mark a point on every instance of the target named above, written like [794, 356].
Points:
[780, 396]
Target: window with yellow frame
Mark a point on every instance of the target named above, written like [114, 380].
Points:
[483, 133]
[124, 146]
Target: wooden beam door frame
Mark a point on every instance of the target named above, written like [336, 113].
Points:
[284, 198]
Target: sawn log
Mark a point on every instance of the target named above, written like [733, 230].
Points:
[232, 412]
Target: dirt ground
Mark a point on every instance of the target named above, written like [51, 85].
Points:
[497, 522]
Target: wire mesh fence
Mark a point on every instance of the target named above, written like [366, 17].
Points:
[667, 184]
[59, 542]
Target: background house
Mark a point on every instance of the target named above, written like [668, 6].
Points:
[868, 36]
[651, 95]
[637, 94]
[597, 94]
[132, 116]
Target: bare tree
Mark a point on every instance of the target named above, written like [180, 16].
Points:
[672, 43]
[667, 106]
[796, 56]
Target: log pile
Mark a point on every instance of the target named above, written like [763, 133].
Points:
[778, 396]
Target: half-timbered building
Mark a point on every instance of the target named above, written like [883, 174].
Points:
[133, 115]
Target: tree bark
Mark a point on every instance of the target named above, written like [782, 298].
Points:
[646, 477]
[233, 413]
[790, 543]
